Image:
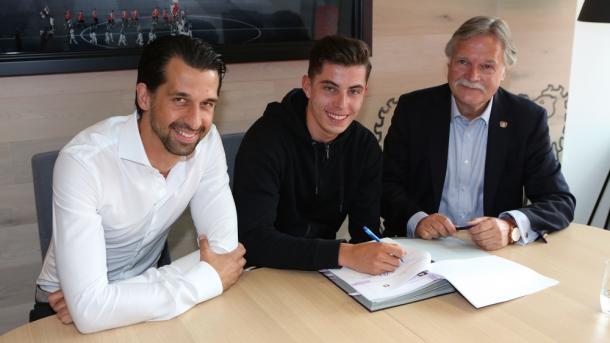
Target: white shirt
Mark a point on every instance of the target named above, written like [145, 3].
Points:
[111, 215]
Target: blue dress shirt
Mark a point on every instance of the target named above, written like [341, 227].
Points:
[462, 198]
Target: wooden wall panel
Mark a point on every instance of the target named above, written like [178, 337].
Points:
[40, 113]
[408, 50]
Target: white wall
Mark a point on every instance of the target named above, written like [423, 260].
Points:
[586, 158]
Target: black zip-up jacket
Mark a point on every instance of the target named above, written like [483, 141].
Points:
[292, 194]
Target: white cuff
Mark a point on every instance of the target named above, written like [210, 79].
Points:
[523, 223]
[201, 282]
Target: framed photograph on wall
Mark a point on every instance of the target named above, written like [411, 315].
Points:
[60, 36]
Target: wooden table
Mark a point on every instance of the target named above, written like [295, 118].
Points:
[269, 305]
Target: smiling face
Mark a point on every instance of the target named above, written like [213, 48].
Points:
[178, 114]
[335, 97]
[475, 72]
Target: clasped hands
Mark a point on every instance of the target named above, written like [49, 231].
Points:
[489, 233]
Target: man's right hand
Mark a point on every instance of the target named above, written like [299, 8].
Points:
[229, 266]
[434, 226]
[58, 304]
[371, 257]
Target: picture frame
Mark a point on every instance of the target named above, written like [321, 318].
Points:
[55, 38]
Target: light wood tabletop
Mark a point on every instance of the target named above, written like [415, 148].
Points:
[269, 305]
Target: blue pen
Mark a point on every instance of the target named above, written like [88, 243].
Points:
[373, 236]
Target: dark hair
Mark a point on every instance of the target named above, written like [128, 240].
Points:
[338, 50]
[194, 52]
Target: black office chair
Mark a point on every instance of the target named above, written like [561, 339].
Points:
[599, 199]
[231, 142]
[42, 174]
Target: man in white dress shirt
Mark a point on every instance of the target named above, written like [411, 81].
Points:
[120, 184]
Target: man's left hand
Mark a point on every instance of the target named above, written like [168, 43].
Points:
[489, 233]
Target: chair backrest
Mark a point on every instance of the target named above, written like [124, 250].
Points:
[231, 142]
[42, 175]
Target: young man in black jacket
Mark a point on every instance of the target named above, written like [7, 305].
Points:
[306, 164]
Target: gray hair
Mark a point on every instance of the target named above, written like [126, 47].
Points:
[483, 25]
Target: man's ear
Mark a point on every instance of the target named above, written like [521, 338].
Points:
[306, 85]
[143, 96]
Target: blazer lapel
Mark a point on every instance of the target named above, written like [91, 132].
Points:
[495, 157]
[440, 116]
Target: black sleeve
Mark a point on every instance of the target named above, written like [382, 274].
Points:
[258, 173]
[552, 204]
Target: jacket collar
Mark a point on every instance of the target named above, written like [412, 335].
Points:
[440, 116]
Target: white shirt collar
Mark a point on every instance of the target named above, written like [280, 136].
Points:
[130, 142]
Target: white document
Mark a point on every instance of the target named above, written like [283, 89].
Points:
[491, 279]
[387, 285]
[483, 279]
[446, 248]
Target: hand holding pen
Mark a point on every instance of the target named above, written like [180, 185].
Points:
[371, 257]
[374, 237]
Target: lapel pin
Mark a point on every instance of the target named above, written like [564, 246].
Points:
[503, 124]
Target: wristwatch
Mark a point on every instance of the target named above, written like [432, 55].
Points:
[514, 234]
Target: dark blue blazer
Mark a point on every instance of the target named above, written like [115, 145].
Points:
[519, 160]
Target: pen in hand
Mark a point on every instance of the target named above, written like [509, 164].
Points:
[374, 236]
